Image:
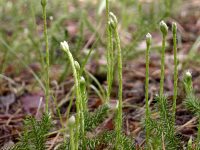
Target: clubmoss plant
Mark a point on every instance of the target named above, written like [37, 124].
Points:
[34, 134]
[93, 119]
[147, 110]
[81, 98]
[164, 127]
[71, 124]
[192, 102]
[168, 117]
[107, 139]
[113, 24]
[162, 100]
[75, 66]
[47, 94]
[164, 31]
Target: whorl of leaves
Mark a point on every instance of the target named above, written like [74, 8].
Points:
[106, 140]
[93, 119]
[102, 140]
[193, 104]
[34, 135]
[159, 129]
[164, 127]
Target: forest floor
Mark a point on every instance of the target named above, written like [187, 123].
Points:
[17, 100]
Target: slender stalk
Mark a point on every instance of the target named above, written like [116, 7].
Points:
[47, 94]
[83, 93]
[164, 30]
[119, 59]
[110, 55]
[147, 110]
[71, 124]
[107, 14]
[110, 63]
[72, 92]
[113, 23]
[74, 66]
[72, 146]
[82, 105]
[162, 67]
[174, 30]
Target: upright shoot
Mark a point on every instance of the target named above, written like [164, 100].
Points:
[147, 110]
[174, 30]
[109, 53]
[192, 102]
[114, 24]
[75, 66]
[164, 31]
[47, 95]
[71, 124]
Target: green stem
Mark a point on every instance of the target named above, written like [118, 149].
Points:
[70, 103]
[78, 107]
[72, 146]
[47, 56]
[174, 28]
[110, 64]
[119, 109]
[109, 53]
[162, 66]
[107, 13]
[148, 43]
[81, 106]
[83, 94]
